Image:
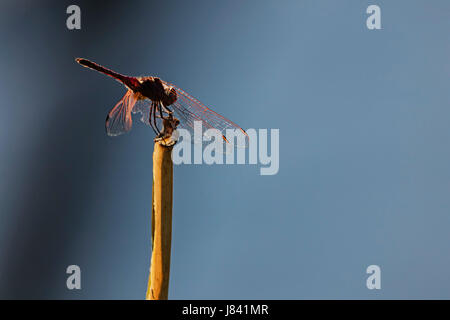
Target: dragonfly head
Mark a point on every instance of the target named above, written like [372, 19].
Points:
[170, 96]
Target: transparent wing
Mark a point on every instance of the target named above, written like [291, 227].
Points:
[188, 110]
[119, 119]
[143, 107]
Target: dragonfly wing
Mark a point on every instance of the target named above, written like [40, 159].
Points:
[119, 119]
[188, 110]
[143, 107]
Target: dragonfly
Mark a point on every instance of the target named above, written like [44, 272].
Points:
[158, 102]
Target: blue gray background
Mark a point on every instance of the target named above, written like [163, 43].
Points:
[364, 153]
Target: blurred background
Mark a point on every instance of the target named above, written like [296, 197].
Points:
[364, 149]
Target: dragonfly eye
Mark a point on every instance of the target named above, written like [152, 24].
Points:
[171, 96]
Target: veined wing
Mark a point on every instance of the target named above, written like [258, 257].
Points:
[144, 107]
[188, 109]
[119, 119]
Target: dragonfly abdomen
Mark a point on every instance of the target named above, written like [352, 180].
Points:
[130, 82]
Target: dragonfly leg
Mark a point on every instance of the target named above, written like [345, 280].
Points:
[160, 109]
[170, 112]
[155, 106]
[166, 109]
[151, 119]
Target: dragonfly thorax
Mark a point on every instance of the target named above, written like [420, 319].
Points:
[154, 89]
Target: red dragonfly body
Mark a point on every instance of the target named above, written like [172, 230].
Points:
[155, 99]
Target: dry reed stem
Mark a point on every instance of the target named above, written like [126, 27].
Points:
[162, 195]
